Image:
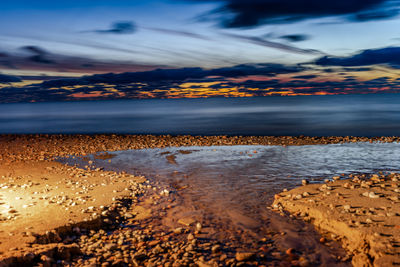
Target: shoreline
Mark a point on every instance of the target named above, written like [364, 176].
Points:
[75, 201]
[45, 147]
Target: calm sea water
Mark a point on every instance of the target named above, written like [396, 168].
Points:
[358, 115]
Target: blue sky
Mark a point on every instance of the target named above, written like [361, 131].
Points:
[74, 38]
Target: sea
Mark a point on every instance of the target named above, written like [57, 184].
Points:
[356, 115]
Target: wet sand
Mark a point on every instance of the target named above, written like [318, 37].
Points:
[56, 214]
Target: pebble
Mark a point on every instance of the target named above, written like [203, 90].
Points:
[198, 227]
[298, 197]
[347, 207]
[372, 195]
[244, 256]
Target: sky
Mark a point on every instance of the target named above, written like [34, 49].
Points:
[74, 50]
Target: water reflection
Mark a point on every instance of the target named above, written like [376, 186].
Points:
[243, 179]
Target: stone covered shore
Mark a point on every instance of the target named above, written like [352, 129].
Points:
[56, 214]
[361, 212]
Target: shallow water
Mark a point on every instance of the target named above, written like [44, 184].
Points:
[244, 178]
[233, 185]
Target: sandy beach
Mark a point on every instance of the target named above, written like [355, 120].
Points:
[362, 213]
[52, 213]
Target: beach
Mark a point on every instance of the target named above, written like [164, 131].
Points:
[52, 213]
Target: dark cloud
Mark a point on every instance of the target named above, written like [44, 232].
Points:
[39, 54]
[8, 78]
[250, 13]
[347, 86]
[388, 56]
[173, 75]
[263, 42]
[305, 76]
[39, 59]
[295, 37]
[358, 69]
[120, 27]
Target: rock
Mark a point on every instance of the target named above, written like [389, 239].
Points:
[178, 230]
[110, 247]
[373, 195]
[202, 264]
[190, 237]
[244, 256]
[198, 227]
[186, 221]
[216, 249]
[298, 197]
[290, 251]
[304, 182]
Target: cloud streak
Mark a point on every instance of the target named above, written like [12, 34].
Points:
[38, 59]
[179, 33]
[276, 45]
[181, 74]
[119, 27]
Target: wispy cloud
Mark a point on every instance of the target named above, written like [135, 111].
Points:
[180, 74]
[179, 33]
[295, 37]
[39, 59]
[263, 42]
[120, 27]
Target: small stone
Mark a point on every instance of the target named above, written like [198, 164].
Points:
[186, 221]
[216, 249]
[243, 256]
[373, 195]
[178, 230]
[198, 226]
[190, 237]
[290, 251]
[304, 182]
